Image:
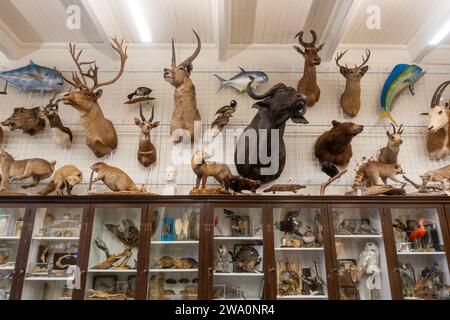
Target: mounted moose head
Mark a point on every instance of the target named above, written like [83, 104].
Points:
[275, 107]
[185, 112]
[308, 83]
[351, 98]
[438, 139]
[101, 137]
[27, 120]
[147, 151]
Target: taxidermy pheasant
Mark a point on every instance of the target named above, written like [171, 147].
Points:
[414, 229]
[128, 235]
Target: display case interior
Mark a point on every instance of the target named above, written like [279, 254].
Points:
[424, 271]
[299, 253]
[11, 225]
[53, 254]
[174, 254]
[361, 255]
[238, 253]
[113, 254]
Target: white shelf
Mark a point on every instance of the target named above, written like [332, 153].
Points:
[9, 238]
[56, 238]
[301, 297]
[175, 242]
[7, 269]
[299, 249]
[242, 299]
[172, 270]
[48, 279]
[421, 253]
[358, 236]
[238, 238]
[111, 271]
[238, 274]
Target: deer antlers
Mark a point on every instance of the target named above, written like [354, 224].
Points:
[92, 74]
[365, 59]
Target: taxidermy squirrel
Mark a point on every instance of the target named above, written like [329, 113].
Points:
[114, 178]
[64, 178]
[372, 171]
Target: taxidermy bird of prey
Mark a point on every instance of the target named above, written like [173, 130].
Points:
[369, 263]
[128, 235]
[102, 246]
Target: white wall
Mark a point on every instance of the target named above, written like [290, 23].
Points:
[282, 64]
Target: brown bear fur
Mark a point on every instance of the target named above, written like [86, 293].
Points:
[333, 148]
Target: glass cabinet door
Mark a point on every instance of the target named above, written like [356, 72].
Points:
[423, 267]
[299, 253]
[53, 252]
[11, 224]
[238, 254]
[174, 254]
[361, 258]
[113, 254]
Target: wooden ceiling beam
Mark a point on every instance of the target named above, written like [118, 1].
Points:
[222, 25]
[10, 45]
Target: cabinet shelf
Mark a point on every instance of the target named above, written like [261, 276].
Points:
[56, 238]
[111, 271]
[172, 270]
[7, 269]
[421, 253]
[298, 249]
[175, 242]
[9, 238]
[358, 236]
[48, 279]
[220, 238]
[302, 297]
[238, 274]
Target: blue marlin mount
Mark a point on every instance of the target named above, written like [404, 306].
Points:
[33, 77]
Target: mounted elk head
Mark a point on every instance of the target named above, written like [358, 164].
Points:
[147, 151]
[27, 120]
[351, 98]
[275, 108]
[308, 83]
[101, 137]
[438, 139]
[185, 112]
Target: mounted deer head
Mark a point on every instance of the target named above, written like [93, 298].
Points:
[52, 108]
[308, 83]
[101, 136]
[147, 151]
[185, 112]
[351, 98]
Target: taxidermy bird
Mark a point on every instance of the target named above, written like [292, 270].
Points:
[290, 224]
[408, 279]
[369, 263]
[140, 92]
[228, 109]
[128, 235]
[221, 121]
[415, 230]
[102, 246]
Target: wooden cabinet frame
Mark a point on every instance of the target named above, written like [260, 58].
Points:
[206, 244]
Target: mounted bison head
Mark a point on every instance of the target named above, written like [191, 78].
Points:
[264, 156]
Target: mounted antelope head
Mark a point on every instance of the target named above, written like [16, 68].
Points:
[101, 137]
[308, 83]
[389, 154]
[147, 151]
[438, 140]
[351, 98]
[185, 112]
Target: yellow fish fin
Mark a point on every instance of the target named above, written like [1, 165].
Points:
[389, 116]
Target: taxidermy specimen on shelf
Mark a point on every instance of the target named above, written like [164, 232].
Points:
[117, 261]
[295, 235]
[289, 278]
[147, 151]
[128, 234]
[242, 79]
[64, 179]
[101, 136]
[402, 77]
[27, 120]
[308, 83]
[334, 148]
[34, 78]
[181, 227]
[373, 173]
[167, 262]
[351, 98]
[441, 175]
[18, 170]
[369, 264]
[114, 178]
[220, 258]
[223, 116]
[203, 170]
[275, 108]
[246, 259]
[438, 141]
[413, 229]
[389, 154]
[240, 225]
[141, 92]
[239, 184]
[62, 135]
[185, 111]
[429, 286]
[101, 295]
[294, 188]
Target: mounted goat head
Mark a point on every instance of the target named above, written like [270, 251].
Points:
[308, 83]
[351, 98]
[185, 112]
[438, 140]
[147, 151]
[27, 120]
[101, 137]
[389, 154]
[62, 135]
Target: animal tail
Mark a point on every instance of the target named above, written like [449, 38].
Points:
[51, 186]
[222, 81]
[143, 189]
[52, 165]
[358, 179]
[386, 114]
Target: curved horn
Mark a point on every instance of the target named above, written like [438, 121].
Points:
[438, 94]
[306, 44]
[400, 130]
[314, 35]
[141, 113]
[395, 130]
[153, 114]
[195, 54]
[300, 39]
[269, 93]
[174, 57]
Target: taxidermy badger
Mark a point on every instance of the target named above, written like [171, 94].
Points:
[372, 171]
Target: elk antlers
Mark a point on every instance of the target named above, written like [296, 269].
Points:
[365, 59]
[79, 81]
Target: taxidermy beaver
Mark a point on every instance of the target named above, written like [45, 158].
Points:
[334, 149]
[64, 178]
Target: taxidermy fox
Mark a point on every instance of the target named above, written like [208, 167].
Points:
[203, 170]
[64, 178]
[372, 171]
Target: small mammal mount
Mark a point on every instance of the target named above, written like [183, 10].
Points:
[203, 170]
[239, 184]
[114, 178]
[389, 154]
[294, 188]
[373, 171]
[64, 179]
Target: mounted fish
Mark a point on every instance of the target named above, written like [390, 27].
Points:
[33, 78]
[403, 76]
[242, 79]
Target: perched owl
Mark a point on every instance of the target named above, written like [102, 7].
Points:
[369, 263]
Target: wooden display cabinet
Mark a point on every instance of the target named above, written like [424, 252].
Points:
[296, 248]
